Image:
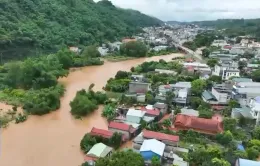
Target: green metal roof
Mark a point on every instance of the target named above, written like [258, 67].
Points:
[99, 150]
[208, 96]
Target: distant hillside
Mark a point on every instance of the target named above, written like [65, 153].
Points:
[43, 26]
[235, 27]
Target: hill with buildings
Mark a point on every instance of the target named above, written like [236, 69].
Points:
[32, 27]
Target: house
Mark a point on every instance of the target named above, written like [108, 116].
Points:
[103, 51]
[161, 71]
[219, 95]
[134, 116]
[181, 96]
[125, 129]
[152, 148]
[102, 133]
[150, 111]
[172, 140]
[226, 70]
[251, 111]
[207, 126]
[161, 107]
[74, 49]
[126, 40]
[99, 150]
[245, 162]
[189, 112]
[219, 43]
[139, 87]
[115, 46]
[181, 91]
[244, 91]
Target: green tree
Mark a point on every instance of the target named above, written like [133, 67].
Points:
[195, 102]
[91, 51]
[216, 79]
[224, 138]
[256, 133]
[205, 52]
[212, 62]
[256, 75]
[219, 162]
[205, 113]
[230, 124]
[233, 104]
[87, 142]
[252, 153]
[119, 158]
[121, 75]
[156, 161]
[65, 57]
[197, 87]
[167, 123]
[116, 140]
[109, 112]
[177, 111]
[133, 49]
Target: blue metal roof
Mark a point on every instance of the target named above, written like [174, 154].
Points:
[240, 147]
[244, 162]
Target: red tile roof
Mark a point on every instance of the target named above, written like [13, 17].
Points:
[90, 158]
[167, 86]
[154, 112]
[119, 126]
[101, 132]
[160, 136]
[209, 126]
[227, 47]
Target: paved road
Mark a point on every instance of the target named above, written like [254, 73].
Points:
[189, 51]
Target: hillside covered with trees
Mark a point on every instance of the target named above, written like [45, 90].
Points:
[235, 27]
[34, 27]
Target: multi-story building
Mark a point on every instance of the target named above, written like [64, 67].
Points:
[226, 70]
[244, 91]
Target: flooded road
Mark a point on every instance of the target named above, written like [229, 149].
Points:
[53, 139]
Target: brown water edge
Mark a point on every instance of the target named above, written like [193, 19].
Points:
[53, 139]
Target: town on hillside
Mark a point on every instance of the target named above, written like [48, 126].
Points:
[201, 109]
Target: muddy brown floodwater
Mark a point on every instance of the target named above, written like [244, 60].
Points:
[53, 139]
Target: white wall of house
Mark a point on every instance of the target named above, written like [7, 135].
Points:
[221, 97]
[255, 108]
[230, 74]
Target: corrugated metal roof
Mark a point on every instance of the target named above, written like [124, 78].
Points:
[99, 150]
[154, 146]
[137, 113]
[119, 126]
[160, 136]
[244, 162]
[207, 95]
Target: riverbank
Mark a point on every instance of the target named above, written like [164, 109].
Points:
[53, 139]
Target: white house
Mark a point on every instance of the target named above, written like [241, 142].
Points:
[134, 116]
[226, 70]
[252, 111]
[219, 43]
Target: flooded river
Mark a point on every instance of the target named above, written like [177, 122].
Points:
[53, 139]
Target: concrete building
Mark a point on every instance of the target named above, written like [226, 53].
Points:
[245, 162]
[251, 111]
[244, 91]
[139, 87]
[226, 70]
[99, 150]
[127, 130]
[134, 116]
[152, 148]
[219, 43]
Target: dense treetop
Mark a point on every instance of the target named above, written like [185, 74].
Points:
[43, 26]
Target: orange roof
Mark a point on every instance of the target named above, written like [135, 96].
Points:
[101, 132]
[160, 136]
[186, 122]
[126, 40]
